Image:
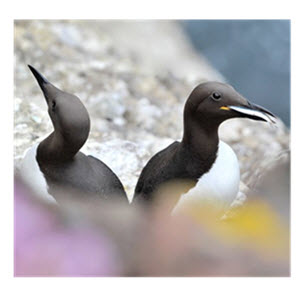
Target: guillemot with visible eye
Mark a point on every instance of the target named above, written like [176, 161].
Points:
[55, 167]
[201, 165]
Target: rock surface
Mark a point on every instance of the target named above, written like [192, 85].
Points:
[134, 78]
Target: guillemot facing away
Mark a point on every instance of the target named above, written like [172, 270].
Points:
[201, 165]
[55, 168]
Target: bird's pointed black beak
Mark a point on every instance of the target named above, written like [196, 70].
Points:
[42, 81]
[261, 109]
[252, 111]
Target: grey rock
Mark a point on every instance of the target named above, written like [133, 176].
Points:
[134, 78]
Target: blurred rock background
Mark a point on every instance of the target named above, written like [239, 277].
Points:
[134, 78]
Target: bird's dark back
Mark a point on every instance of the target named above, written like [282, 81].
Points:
[166, 166]
[85, 176]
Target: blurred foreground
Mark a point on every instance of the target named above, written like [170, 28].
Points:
[124, 240]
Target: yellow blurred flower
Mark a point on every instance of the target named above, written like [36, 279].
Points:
[255, 226]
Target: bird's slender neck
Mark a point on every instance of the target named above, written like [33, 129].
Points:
[200, 138]
[57, 147]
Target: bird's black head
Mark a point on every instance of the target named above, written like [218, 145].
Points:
[214, 102]
[68, 115]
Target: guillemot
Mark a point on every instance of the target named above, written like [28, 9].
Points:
[55, 168]
[200, 165]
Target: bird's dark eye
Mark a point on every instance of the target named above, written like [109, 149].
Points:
[216, 96]
[53, 105]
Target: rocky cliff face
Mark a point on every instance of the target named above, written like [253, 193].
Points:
[134, 78]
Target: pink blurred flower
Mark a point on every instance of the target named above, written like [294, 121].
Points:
[44, 247]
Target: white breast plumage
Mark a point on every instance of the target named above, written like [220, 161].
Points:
[33, 177]
[220, 185]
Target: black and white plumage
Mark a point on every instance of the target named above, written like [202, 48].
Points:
[204, 166]
[55, 166]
